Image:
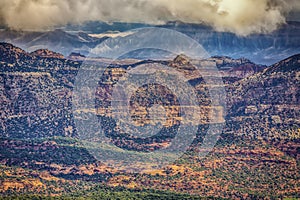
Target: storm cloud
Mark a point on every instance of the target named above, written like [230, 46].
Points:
[242, 17]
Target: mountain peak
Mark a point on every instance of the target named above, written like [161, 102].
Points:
[9, 47]
[287, 65]
[182, 62]
[225, 60]
[46, 54]
[10, 53]
[76, 56]
[182, 59]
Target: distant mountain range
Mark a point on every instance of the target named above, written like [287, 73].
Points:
[57, 40]
[260, 48]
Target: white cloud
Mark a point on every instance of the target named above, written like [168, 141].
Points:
[239, 16]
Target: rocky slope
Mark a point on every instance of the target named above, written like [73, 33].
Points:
[267, 103]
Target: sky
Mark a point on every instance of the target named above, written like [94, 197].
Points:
[242, 17]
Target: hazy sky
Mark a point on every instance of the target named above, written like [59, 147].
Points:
[239, 16]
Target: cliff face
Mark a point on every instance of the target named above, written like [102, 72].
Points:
[262, 100]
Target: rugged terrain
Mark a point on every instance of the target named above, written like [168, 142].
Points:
[256, 156]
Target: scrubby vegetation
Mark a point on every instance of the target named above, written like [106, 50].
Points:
[41, 156]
